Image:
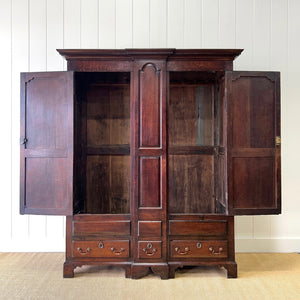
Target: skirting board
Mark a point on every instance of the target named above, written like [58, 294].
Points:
[280, 245]
[241, 245]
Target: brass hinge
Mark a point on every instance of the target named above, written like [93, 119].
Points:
[278, 140]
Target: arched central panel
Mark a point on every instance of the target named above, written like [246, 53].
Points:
[150, 106]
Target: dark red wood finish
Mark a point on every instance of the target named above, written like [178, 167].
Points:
[149, 153]
[253, 142]
[148, 189]
[46, 177]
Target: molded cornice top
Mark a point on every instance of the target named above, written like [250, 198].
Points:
[163, 53]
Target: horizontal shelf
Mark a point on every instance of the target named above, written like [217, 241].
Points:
[185, 150]
[124, 149]
[118, 149]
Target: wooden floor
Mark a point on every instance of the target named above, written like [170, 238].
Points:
[39, 276]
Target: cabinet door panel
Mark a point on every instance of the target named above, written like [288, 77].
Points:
[253, 139]
[46, 185]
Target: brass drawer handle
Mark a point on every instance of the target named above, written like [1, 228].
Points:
[114, 251]
[82, 252]
[149, 251]
[212, 250]
[185, 252]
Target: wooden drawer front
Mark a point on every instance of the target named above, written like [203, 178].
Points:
[196, 248]
[116, 249]
[149, 249]
[203, 228]
[101, 228]
[150, 228]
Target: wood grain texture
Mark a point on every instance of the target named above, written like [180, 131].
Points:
[191, 115]
[108, 115]
[253, 123]
[101, 228]
[150, 182]
[191, 184]
[253, 182]
[149, 249]
[107, 185]
[203, 228]
[47, 143]
[198, 248]
[105, 248]
[150, 106]
[254, 148]
[149, 228]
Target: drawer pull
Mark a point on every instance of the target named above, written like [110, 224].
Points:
[185, 252]
[113, 250]
[212, 250]
[149, 251]
[82, 252]
[101, 245]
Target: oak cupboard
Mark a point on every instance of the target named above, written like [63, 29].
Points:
[150, 153]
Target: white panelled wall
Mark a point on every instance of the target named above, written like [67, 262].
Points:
[31, 30]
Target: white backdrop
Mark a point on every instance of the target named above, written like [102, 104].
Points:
[31, 30]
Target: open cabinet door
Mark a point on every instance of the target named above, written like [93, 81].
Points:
[46, 176]
[253, 142]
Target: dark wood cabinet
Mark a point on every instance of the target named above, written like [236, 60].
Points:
[150, 153]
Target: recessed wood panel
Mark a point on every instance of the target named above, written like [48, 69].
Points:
[149, 228]
[47, 143]
[253, 112]
[150, 106]
[253, 142]
[46, 112]
[191, 184]
[97, 228]
[150, 182]
[108, 115]
[204, 228]
[108, 184]
[253, 182]
[191, 115]
[46, 183]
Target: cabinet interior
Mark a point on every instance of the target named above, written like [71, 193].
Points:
[195, 130]
[104, 136]
[195, 137]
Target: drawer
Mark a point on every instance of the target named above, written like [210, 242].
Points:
[149, 249]
[198, 248]
[203, 228]
[103, 228]
[105, 248]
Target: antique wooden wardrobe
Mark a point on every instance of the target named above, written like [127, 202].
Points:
[150, 153]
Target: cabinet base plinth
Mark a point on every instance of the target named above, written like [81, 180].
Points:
[68, 270]
[164, 270]
[231, 269]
